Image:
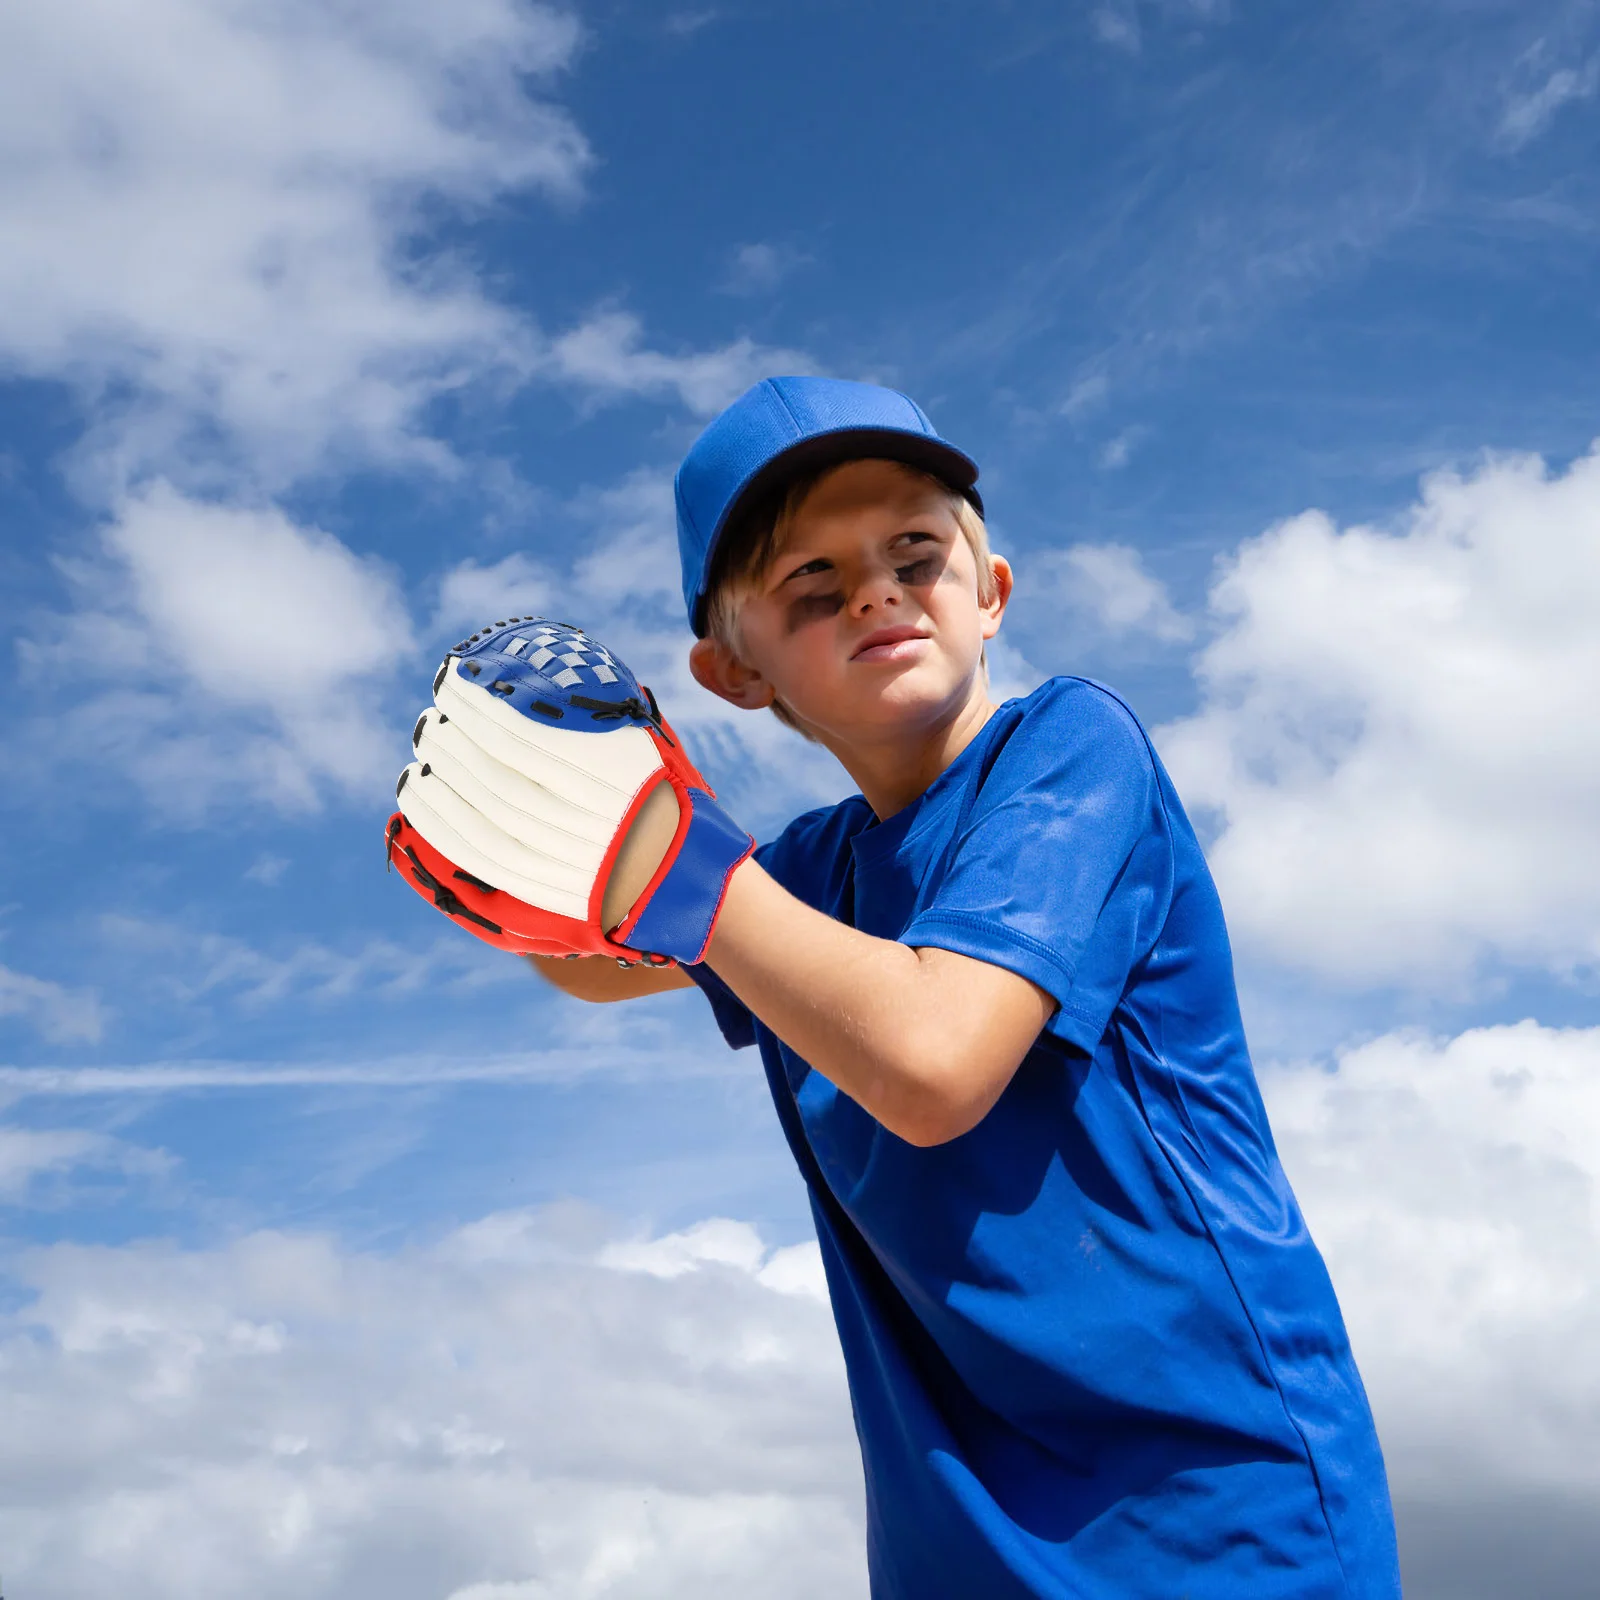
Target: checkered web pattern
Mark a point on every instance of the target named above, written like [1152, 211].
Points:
[565, 656]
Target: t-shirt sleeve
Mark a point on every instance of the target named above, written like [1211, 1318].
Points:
[733, 1016]
[1061, 870]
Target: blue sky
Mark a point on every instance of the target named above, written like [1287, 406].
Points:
[325, 331]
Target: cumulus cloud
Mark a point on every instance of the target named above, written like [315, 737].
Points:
[56, 1013]
[1454, 1187]
[508, 1412]
[607, 356]
[1395, 734]
[473, 593]
[212, 209]
[1109, 584]
[220, 650]
[221, 230]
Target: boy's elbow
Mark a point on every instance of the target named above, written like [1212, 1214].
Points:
[937, 1101]
[928, 1130]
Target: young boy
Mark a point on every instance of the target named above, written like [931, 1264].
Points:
[1092, 1350]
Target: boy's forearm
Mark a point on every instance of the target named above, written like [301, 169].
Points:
[600, 979]
[924, 1040]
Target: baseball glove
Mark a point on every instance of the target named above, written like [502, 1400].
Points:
[537, 755]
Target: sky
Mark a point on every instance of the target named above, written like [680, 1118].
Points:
[339, 1257]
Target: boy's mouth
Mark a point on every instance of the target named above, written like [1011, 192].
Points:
[889, 644]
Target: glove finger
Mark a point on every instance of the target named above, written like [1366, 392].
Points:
[600, 771]
[524, 809]
[492, 915]
[472, 841]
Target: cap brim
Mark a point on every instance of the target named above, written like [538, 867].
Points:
[934, 456]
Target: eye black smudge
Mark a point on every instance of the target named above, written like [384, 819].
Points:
[812, 608]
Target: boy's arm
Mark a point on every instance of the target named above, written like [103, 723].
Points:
[925, 1040]
[599, 978]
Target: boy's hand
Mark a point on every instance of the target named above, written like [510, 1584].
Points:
[552, 811]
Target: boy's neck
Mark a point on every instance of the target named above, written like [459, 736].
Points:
[892, 772]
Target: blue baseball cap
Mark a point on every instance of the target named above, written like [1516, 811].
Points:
[786, 426]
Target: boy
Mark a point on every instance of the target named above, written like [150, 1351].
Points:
[1092, 1350]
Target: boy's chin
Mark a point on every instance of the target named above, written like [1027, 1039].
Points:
[911, 699]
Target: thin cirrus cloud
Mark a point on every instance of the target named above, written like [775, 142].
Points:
[1529, 113]
[530, 1407]
[31, 1156]
[1395, 733]
[184, 966]
[760, 268]
[56, 1013]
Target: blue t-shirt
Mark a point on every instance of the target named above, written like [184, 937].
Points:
[1092, 1349]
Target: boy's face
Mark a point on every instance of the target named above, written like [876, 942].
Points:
[869, 619]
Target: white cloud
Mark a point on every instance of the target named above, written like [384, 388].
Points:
[29, 1155]
[759, 268]
[471, 594]
[221, 227]
[1109, 583]
[1117, 26]
[213, 208]
[1529, 114]
[607, 356]
[185, 964]
[1118, 452]
[685, 24]
[719, 1241]
[1454, 1187]
[660, 1057]
[499, 1414]
[57, 1013]
[1087, 395]
[223, 649]
[1396, 732]
[267, 870]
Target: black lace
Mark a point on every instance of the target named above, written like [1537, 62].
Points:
[633, 708]
[447, 900]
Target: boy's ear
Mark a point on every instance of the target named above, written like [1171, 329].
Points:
[717, 668]
[994, 609]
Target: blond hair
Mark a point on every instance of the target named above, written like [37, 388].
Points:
[750, 545]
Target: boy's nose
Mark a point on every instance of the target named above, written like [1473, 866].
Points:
[874, 590]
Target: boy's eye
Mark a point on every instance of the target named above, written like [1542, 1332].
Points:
[810, 568]
[919, 558]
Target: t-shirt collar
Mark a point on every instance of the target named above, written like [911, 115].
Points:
[878, 840]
